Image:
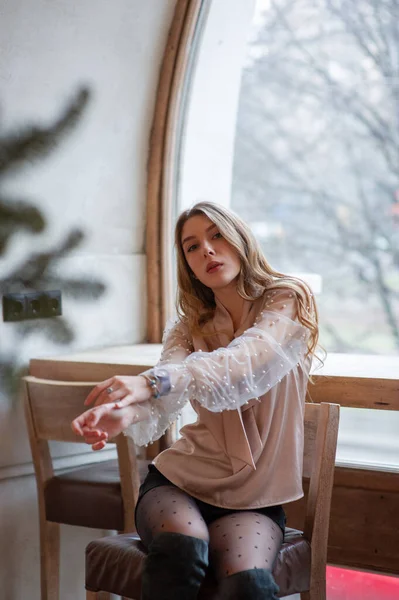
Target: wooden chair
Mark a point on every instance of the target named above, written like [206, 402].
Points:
[114, 564]
[101, 495]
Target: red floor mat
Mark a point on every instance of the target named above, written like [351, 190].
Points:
[346, 584]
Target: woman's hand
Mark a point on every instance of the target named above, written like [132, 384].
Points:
[122, 391]
[104, 422]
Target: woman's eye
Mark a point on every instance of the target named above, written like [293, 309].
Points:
[218, 234]
[192, 247]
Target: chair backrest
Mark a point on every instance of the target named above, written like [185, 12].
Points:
[321, 434]
[312, 513]
[54, 405]
[50, 407]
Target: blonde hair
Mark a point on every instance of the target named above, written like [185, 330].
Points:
[195, 302]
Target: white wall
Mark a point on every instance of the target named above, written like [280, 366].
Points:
[95, 180]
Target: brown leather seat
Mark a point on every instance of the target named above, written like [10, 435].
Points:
[114, 564]
[70, 496]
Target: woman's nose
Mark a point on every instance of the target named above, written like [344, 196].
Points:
[208, 249]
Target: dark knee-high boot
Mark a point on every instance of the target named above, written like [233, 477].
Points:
[174, 568]
[254, 584]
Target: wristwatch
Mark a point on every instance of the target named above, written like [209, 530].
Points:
[159, 381]
[163, 380]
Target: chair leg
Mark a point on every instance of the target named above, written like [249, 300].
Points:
[97, 595]
[316, 592]
[50, 560]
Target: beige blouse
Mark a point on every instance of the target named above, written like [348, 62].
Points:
[248, 388]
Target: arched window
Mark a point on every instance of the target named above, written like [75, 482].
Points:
[290, 117]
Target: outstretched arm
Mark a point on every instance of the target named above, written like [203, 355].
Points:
[131, 402]
[227, 378]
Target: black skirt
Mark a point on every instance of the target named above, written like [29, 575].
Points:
[209, 512]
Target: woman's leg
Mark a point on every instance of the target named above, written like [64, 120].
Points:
[243, 547]
[176, 536]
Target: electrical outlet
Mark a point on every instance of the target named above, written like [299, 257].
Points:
[13, 307]
[53, 305]
[32, 305]
[43, 305]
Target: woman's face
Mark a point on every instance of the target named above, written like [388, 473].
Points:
[210, 257]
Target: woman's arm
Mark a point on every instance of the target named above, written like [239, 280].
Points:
[227, 378]
[159, 415]
[131, 406]
[249, 366]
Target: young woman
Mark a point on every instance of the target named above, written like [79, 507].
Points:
[240, 353]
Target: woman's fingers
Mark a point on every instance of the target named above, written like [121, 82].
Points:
[79, 423]
[105, 398]
[76, 428]
[117, 389]
[98, 412]
[98, 424]
[126, 401]
[94, 435]
[96, 391]
[90, 418]
[91, 440]
[98, 446]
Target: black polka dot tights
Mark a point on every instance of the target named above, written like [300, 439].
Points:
[237, 542]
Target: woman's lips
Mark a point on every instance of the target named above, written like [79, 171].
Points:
[215, 268]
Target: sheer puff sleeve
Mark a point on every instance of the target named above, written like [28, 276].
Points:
[155, 416]
[229, 377]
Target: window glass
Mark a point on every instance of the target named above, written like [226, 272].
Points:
[292, 119]
[316, 158]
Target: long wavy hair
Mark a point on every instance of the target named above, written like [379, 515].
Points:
[195, 302]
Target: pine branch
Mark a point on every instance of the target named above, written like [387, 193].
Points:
[56, 330]
[31, 273]
[16, 215]
[33, 143]
[76, 288]
[10, 374]
[40, 270]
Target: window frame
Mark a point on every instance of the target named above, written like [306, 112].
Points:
[162, 162]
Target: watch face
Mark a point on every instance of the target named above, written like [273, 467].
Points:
[161, 373]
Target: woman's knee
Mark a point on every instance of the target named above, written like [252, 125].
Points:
[169, 510]
[192, 528]
[243, 542]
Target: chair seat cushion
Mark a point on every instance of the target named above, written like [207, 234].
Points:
[89, 496]
[114, 564]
